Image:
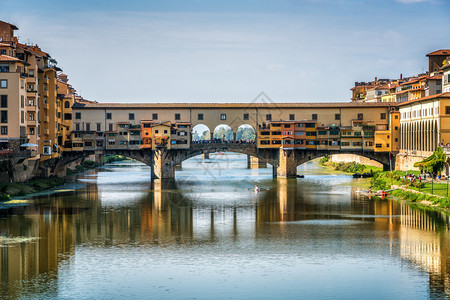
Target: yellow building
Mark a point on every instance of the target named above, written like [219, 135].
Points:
[389, 139]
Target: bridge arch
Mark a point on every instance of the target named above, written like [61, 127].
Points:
[223, 133]
[201, 132]
[380, 158]
[246, 133]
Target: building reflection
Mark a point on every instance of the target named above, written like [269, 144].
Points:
[160, 214]
[424, 242]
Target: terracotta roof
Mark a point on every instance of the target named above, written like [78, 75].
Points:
[12, 26]
[436, 77]
[440, 52]
[4, 57]
[4, 45]
[442, 95]
[94, 105]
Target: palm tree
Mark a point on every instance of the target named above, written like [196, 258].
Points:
[434, 163]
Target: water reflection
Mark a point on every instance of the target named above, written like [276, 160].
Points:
[293, 223]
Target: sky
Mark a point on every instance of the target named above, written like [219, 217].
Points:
[231, 50]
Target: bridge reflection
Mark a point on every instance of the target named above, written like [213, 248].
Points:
[163, 215]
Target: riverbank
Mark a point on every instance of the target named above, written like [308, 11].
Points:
[8, 190]
[20, 189]
[349, 167]
[429, 193]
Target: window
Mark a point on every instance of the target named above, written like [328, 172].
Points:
[4, 130]
[223, 116]
[245, 116]
[265, 142]
[31, 131]
[291, 117]
[30, 102]
[130, 116]
[3, 83]
[447, 110]
[4, 68]
[396, 117]
[31, 73]
[200, 117]
[77, 126]
[383, 116]
[110, 126]
[4, 101]
[67, 116]
[156, 131]
[269, 117]
[22, 101]
[396, 127]
[78, 116]
[377, 145]
[31, 116]
[314, 116]
[4, 116]
[396, 140]
[67, 104]
[165, 130]
[88, 126]
[337, 117]
[99, 127]
[155, 116]
[177, 117]
[2, 51]
[360, 116]
[108, 116]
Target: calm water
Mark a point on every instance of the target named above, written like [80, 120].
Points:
[112, 234]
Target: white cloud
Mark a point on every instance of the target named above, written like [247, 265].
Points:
[411, 1]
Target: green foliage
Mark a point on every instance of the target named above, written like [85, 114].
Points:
[245, 133]
[434, 163]
[323, 161]
[112, 158]
[223, 132]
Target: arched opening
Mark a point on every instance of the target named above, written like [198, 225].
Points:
[67, 104]
[223, 134]
[245, 134]
[201, 133]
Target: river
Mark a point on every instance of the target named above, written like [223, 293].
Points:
[111, 233]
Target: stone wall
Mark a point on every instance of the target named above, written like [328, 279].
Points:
[337, 158]
[405, 163]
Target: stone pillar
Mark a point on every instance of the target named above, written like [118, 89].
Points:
[99, 156]
[163, 164]
[205, 156]
[287, 165]
[234, 137]
[211, 136]
[255, 163]
[178, 167]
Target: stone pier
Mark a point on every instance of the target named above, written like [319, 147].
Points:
[163, 165]
[255, 163]
[205, 156]
[286, 166]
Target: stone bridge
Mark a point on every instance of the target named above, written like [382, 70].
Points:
[163, 161]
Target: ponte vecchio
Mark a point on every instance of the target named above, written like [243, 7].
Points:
[286, 134]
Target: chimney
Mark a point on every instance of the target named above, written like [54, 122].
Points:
[401, 76]
[376, 78]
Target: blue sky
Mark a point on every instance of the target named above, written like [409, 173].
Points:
[230, 51]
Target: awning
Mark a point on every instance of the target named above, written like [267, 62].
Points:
[27, 145]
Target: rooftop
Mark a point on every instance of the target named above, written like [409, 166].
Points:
[439, 52]
[94, 105]
[440, 96]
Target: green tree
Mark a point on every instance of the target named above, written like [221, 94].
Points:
[434, 163]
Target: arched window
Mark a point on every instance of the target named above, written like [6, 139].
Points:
[67, 104]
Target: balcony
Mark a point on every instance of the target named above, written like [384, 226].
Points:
[31, 108]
